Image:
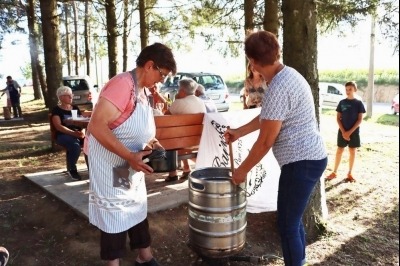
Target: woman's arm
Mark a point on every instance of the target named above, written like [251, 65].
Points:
[105, 114]
[269, 131]
[56, 120]
[232, 135]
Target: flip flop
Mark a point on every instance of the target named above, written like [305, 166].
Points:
[184, 175]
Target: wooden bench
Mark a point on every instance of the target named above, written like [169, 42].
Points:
[181, 133]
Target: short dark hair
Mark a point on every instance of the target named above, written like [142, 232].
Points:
[160, 54]
[263, 47]
[351, 83]
[9, 77]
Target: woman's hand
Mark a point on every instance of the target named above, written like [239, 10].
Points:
[238, 176]
[231, 135]
[136, 161]
[79, 134]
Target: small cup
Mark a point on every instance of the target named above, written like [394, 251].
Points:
[74, 114]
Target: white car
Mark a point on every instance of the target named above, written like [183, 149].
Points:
[330, 94]
[85, 92]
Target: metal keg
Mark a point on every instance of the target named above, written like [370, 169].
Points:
[217, 213]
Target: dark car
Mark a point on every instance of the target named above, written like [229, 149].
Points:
[214, 85]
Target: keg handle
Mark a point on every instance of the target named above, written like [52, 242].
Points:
[197, 186]
[231, 155]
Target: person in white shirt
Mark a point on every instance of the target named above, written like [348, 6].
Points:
[186, 102]
[211, 107]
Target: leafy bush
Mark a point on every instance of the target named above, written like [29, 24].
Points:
[381, 77]
[360, 76]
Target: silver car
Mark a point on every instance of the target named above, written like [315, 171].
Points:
[214, 85]
[85, 92]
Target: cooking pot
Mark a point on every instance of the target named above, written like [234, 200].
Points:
[167, 164]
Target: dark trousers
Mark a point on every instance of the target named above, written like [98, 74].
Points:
[16, 106]
[296, 184]
[73, 146]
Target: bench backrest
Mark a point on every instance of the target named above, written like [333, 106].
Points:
[179, 131]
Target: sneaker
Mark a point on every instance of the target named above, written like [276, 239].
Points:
[331, 176]
[74, 175]
[350, 178]
[3, 256]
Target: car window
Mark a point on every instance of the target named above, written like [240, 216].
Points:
[333, 90]
[76, 84]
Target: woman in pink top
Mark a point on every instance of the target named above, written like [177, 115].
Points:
[120, 128]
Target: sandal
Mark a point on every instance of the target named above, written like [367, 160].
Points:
[184, 175]
[171, 178]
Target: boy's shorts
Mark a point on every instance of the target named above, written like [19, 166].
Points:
[354, 141]
[113, 246]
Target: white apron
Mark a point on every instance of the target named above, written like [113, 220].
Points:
[115, 208]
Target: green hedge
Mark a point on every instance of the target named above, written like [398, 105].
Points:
[382, 77]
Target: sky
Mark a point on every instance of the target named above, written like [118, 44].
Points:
[347, 52]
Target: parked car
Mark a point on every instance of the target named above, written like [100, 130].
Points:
[85, 92]
[330, 94]
[395, 104]
[214, 85]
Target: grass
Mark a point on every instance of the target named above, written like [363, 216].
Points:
[383, 119]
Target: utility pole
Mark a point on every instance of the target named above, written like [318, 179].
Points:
[370, 90]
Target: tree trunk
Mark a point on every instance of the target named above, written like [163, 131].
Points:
[87, 37]
[51, 45]
[300, 52]
[76, 38]
[32, 28]
[144, 35]
[248, 22]
[67, 44]
[111, 38]
[125, 37]
[271, 16]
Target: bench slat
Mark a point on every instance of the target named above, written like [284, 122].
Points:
[180, 143]
[178, 132]
[178, 120]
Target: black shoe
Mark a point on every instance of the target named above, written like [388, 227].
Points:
[171, 178]
[4, 256]
[74, 175]
[151, 262]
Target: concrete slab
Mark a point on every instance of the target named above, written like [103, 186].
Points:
[160, 195]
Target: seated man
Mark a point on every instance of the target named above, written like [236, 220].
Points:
[211, 107]
[185, 103]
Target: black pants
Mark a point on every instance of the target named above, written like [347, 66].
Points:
[17, 110]
[16, 105]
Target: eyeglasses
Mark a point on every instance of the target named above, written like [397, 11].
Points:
[259, 89]
[69, 95]
[163, 76]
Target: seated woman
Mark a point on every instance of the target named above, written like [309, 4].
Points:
[69, 136]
